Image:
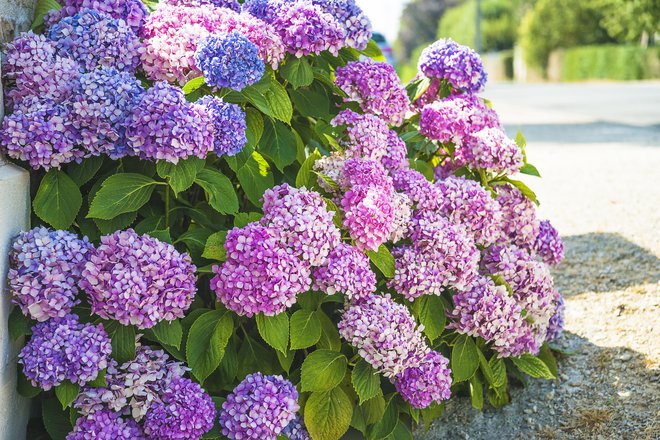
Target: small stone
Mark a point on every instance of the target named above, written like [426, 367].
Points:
[549, 395]
[527, 411]
[535, 409]
[625, 357]
[529, 420]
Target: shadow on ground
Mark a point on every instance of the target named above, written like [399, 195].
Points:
[603, 262]
[599, 132]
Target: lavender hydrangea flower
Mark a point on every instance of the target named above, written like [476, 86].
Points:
[396, 157]
[105, 424]
[347, 271]
[491, 150]
[229, 61]
[429, 382]
[520, 224]
[259, 276]
[101, 107]
[230, 4]
[402, 207]
[184, 412]
[301, 220]
[376, 88]
[367, 136]
[548, 245]
[460, 65]
[229, 126]
[138, 280]
[45, 271]
[368, 216]
[305, 29]
[133, 12]
[556, 325]
[43, 135]
[295, 430]
[97, 40]
[423, 194]
[355, 23]
[468, 204]
[33, 69]
[265, 10]
[489, 312]
[133, 386]
[64, 349]
[164, 126]
[259, 407]
[365, 172]
[385, 334]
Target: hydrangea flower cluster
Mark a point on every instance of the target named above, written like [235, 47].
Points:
[376, 88]
[556, 325]
[45, 272]
[491, 150]
[427, 383]
[105, 424]
[367, 136]
[231, 4]
[355, 23]
[385, 334]
[138, 280]
[229, 61]
[548, 245]
[295, 430]
[65, 349]
[347, 271]
[259, 276]
[229, 125]
[396, 157]
[184, 411]
[259, 407]
[520, 224]
[418, 188]
[133, 12]
[459, 65]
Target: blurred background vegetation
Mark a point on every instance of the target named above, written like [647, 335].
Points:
[560, 40]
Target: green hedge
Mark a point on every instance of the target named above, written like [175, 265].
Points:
[610, 62]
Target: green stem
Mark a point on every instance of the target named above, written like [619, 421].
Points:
[167, 206]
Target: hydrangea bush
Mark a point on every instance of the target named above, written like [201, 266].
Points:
[248, 228]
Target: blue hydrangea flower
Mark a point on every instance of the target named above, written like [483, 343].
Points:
[229, 126]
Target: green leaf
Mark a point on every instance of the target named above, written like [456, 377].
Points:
[464, 358]
[219, 191]
[305, 329]
[56, 420]
[305, 177]
[527, 192]
[162, 235]
[271, 98]
[255, 178]
[169, 333]
[417, 88]
[430, 310]
[121, 193]
[365, 380]
[374, 409]
[192, 85]
[19, 324]
[549, 359]
[373, 51]
[431, 413]
[206, 342]
[180, 176]
[423, 167]
[255, 126]
[58, 200]
[274, 330]
[99, 381]
[82, 172]
[386, 425]
[123, 341]
[66, 393]
[328, 414]
[42, 8]
[332, 207]
[278, 143]
[120, 222]
[242, 219]
[215, 247]
[298, 72]
[532, 366]
[522, 144]
[312, 102]
[401, 432]
[383, 260]
[476, 392]
[330, 339]
[286, 359]
[322, 370]
[25, 388]
[530, 169]
[255, 357]
[498, 368]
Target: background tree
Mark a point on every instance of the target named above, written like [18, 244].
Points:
[630, 21]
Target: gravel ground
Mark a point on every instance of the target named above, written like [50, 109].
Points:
[598, 148]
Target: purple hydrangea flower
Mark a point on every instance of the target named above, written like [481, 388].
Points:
[184, 412]
[491, 150]
[138, 280]
[385, 334]
[229, 61]
[347, 271]
[376, 88]
[300, 219]
[260, 275]
[468, 204]
[417, 187]
[33, 69]
[229, 125]
[265, 10]
[460, 65]
[133, 12]
[520, 224]
[396, 157]
[105, 425]
[164, 126]
[364, 172]
[369, 215]
[306, 29]
[548, 245]
[101, 107]
[295, 430]
[355, 23]
[556, 326]
[402, 206]
[367, 136]
[96, 39]
[429, 382]
[45, 271]
[64, 349]
[42, 135]
[230, 4]
[489, 312]
[260, 407]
